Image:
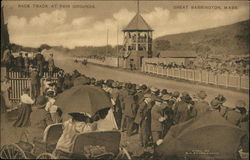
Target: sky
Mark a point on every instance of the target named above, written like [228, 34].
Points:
[89, 23]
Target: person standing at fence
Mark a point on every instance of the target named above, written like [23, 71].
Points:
[7, 58]
[51, 65]
[35, 83]
[20, 63]
[26, 64]
[39, 58]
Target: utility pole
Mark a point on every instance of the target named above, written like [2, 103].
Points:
[117, 49]
[107, 41]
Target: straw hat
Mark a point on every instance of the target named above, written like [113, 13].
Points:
[215, 104]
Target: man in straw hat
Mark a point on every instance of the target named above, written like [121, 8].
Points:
[183, 109]
[201, 106]
[157, 118]
[143, 119]
[235, 115]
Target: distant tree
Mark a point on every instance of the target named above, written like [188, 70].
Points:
[45, 46]
[162, 45]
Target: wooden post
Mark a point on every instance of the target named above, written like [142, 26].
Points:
[193, 75]
[216, 79]
[186, 78]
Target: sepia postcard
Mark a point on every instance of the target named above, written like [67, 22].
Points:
[125, 79]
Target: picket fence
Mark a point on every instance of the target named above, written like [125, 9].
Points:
[201, 76]
[19, 81]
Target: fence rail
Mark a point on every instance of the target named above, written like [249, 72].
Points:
[206, 77]
[19, 81]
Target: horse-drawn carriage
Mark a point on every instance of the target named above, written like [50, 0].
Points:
[91, 145]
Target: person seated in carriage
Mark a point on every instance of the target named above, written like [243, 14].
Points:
[78, 123]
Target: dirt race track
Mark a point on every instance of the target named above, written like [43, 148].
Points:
[126, 76]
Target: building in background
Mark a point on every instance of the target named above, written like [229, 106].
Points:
[137, 42]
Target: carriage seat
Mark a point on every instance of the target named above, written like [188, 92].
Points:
[51, 135]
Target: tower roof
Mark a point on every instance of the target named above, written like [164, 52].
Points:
[137, 24]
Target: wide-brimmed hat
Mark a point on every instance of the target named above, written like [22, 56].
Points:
[166, 97]
[202, 94]
[115, 84]
[186, 98]
[215, 104]
[164, 91]
[81, 117]
[221, 98]
[143, 87]
[41, 101]
[154, 89]
[175, 94]
[241, 104]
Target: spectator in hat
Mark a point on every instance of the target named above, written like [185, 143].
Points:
[39, 59]
[130, 110]
[143, 119]
[26, 64]
[78, 123]
[60, 81]
[20, 62]
[52, 108]
[201, 106]
[143, 89]
[218, 106]
[40, 119]
[157, 119]
[123, 94]
[35, 83]
[235, 115]
[167, 112]
[51, 65]
[183, 109]
[164, 92]
[23, 118]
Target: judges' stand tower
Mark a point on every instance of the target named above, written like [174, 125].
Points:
[137, 41]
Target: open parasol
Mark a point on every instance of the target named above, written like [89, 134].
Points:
[83, 98]
[207, 136]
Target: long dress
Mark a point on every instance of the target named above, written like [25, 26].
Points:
[4, 92]
[25, 110]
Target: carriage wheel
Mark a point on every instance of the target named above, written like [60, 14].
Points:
[12, 151]
[46, 156]
[123, 155]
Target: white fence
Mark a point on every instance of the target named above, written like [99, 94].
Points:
[206, 77]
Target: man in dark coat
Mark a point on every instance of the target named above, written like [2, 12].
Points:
[236, 115]
[35, 83]
[51, 65]
[26, 64]
[157, 118]
[122, 94]
[20, 62]
[39, 59]
[201, 106]
[130, 110]
[143, 118]
[183, 110]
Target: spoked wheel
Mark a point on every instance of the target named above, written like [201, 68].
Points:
[12, 151]
[46, 156]
[123, 155]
